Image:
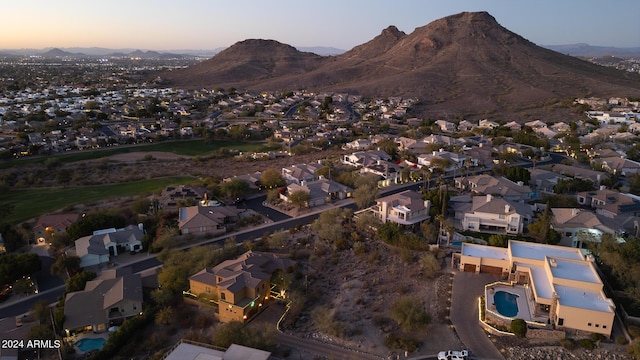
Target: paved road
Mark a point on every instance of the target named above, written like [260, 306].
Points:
[467, 288]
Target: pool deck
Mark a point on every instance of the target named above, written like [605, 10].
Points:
[525, 305]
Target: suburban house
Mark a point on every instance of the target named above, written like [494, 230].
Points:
[51, 225]
[579, 173]
[97, 249]
[299, 173]
[610, 203]
[581, 226]
[446, 126]
[191, 351]
[493, 185]
[457, 160]
[363, 158]
[404, 208]
[544, 181]
[619, 165]
[320, 192]
[239, 286]
[105, 301]
[175, 196]
[358, 144]
[252, 179]
[212, 220]
[490, 213]
[563, 284]
[389, 173]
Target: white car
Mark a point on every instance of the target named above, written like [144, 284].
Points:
[453, 355]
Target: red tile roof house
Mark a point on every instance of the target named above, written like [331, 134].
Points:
[52, 225]
[239, 286]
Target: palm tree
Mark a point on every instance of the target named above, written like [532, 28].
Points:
[426, 176]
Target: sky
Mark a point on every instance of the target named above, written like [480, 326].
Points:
[343, 24]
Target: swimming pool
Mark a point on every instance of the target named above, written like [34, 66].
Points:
[506, 303]
[88, 344]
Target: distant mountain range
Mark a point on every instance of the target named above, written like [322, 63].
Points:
[464, 63]
[586, 50]
[98, 52]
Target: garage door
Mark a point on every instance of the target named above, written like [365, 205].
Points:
[491, 269]
[469, 268]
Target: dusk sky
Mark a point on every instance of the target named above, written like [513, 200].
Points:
[205, 24]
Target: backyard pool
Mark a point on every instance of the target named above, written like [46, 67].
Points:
[88, 344]
[506, 303]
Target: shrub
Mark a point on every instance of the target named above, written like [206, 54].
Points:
[568, 344]
[634, 331]
[621, 340]
[587, 344]
[519, 327]
[597, 337]
[401, 343]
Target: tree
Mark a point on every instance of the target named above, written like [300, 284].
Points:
[518, 327]
[235, 188]
[300, 198]
[409, 313]
[95, 221]
[541, 229]
[498, 240]
[271, 178]
[79, 280]
[164, 316]
[516, 173]
[366, 190]
[65, 264]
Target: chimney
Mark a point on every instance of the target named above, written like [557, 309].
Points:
[520, 183]
[507, 208]
[434, 153]
[575, 211]
[489, 197]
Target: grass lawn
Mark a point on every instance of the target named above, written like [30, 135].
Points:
[182, 147]
[31, 203]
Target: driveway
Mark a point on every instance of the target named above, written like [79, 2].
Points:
[467, 288]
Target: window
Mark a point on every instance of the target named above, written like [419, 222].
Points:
[604, 326]
[502, 217]
[223, 296]
[588, 324]
[207, 290]
[560, 321]
[597, 325]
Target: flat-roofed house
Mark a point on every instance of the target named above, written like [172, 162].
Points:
[563, 285]
[241, 285]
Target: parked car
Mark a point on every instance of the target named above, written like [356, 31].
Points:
[453, 355]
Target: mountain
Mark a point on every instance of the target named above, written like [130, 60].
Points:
[252, 60]
[586, 50]
[55, 52]
[464, 63]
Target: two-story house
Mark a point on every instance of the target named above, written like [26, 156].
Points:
[490, 213]
[107, 300]
[404, 208]
[241, 286]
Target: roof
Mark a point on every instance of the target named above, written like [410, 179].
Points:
[197, 216]
[187, 351]
[484, 251]
[535, 251]
[96, 244]
[409, 199]
[486, 184]
[248, 270]
[89, 306]
[584, 299]
[56, 220]
[494, 205]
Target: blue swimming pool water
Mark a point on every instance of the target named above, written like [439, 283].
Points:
[88, 344]
[457, 243]
[506, 303]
